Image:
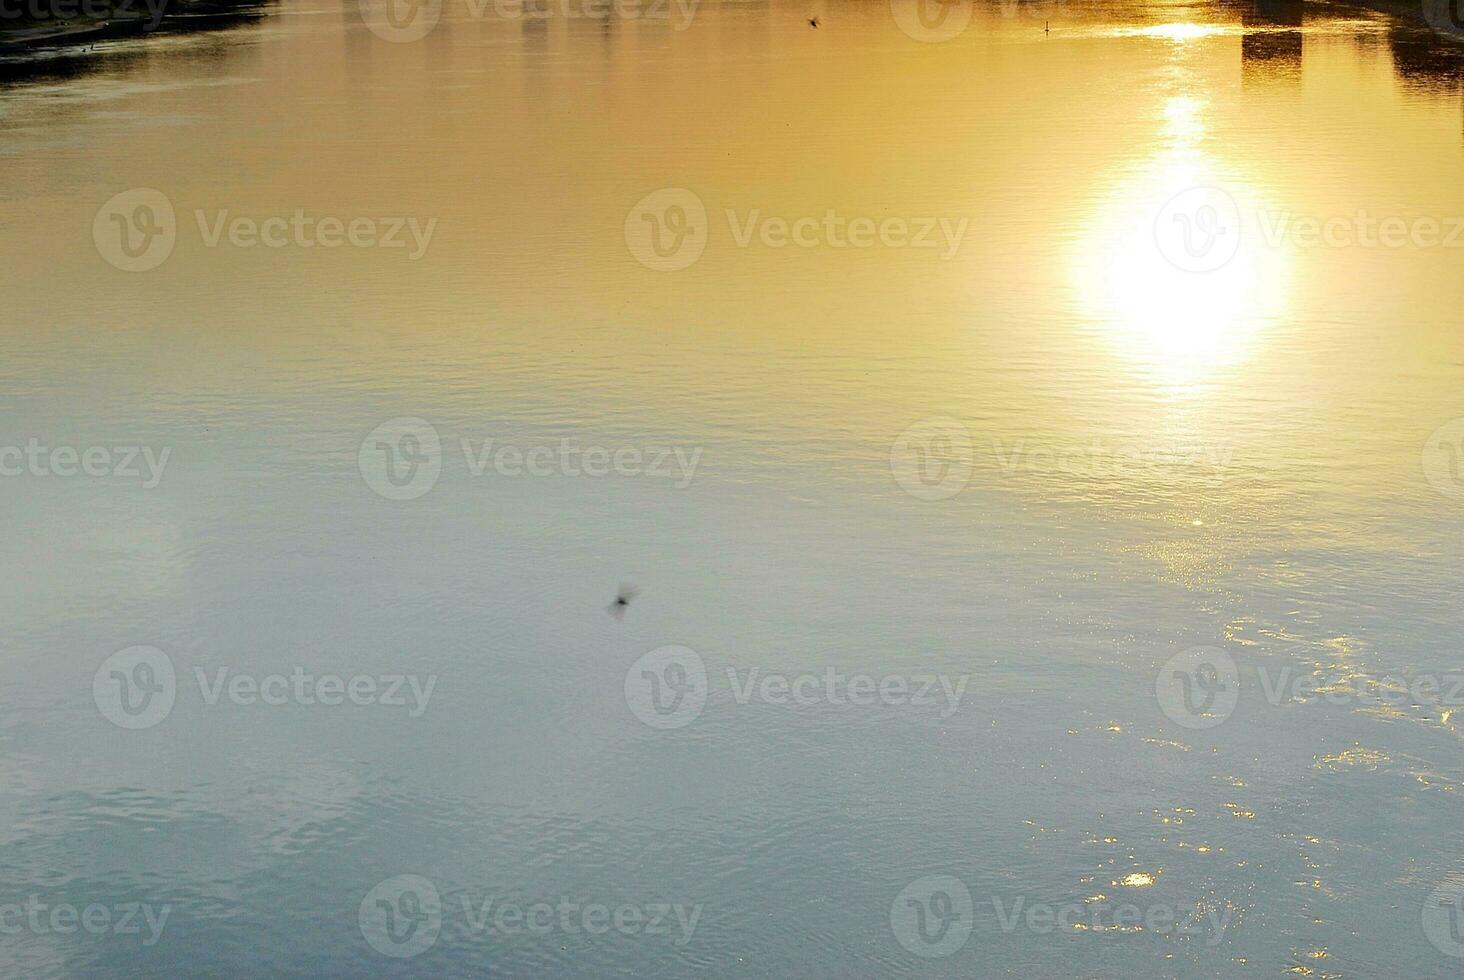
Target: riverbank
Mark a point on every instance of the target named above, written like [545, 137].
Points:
[1442, 16]
[71, 23]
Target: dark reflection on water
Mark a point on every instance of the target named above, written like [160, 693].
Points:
[53, 66]
[1422, 60]
[68, 62]
[1272, 53]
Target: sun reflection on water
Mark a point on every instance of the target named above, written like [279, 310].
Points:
[1180, 32]
[1172, 263]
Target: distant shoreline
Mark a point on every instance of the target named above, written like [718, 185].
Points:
[72, 23]
[1411, 11]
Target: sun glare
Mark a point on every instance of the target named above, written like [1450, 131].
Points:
[1173, 265]
[1180, 32]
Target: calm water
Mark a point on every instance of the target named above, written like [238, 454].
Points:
[1150, 415]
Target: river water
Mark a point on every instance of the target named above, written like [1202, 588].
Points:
[1030, 430]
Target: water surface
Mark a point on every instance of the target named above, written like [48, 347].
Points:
[1159, 459]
